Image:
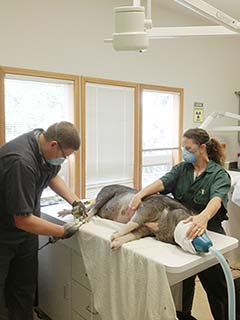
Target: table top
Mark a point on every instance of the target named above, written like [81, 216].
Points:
[179, 264]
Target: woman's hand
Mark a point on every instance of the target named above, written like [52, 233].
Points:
[134, 204]
[156, 186]
[198, 227]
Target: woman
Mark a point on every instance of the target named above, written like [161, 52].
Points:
[201, 184]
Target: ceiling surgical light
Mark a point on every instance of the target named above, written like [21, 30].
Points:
[133, 29]
[130, 29]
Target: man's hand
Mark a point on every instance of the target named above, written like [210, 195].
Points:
[70, 229]
[78, 209]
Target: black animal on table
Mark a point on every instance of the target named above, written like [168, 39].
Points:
[157, 215]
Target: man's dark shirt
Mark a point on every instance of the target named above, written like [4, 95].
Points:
[24, 174]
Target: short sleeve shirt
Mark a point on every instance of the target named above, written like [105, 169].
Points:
[196, 193]
[24, 174]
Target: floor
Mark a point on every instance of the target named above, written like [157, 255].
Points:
[201, 308]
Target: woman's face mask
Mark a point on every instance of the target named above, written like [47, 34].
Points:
[189, 156]
[56, 161]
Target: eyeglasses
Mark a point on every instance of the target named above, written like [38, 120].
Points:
[61, 148]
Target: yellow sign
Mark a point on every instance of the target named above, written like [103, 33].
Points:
[198, 114]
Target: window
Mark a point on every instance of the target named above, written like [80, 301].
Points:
[109, 136]
[160, 132]
[122, 141]
[36, 102]
[39, 101]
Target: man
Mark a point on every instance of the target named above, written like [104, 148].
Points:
[28, 164]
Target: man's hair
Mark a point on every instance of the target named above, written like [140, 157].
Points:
[65, 133]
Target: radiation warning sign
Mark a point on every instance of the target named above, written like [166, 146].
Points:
[198, 112]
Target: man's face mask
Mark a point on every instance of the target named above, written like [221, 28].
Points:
[189, 156]
[56, 161]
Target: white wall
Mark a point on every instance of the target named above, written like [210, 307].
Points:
[67, 36]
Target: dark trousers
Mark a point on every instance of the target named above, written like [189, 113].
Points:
[214, 283]
[18, 277]
[237, 292]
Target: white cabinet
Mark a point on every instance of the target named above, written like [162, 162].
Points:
[82, 302]
[82, 299]
[79, 273]
[54, 285]
[63, 286]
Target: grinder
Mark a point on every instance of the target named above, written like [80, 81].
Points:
[202, 243]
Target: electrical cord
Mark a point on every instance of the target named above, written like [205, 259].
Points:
[50, 240]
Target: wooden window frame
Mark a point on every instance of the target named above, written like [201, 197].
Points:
[143, 87]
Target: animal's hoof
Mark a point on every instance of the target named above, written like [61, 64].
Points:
[64, 213]
[86, 220]
[115, 245]
[114, 236]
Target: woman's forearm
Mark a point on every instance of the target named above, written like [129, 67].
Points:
[156, 186]
[212, 208]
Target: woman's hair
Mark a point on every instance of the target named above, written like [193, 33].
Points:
[215, 150]
[65, 133]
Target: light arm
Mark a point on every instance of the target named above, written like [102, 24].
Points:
[208, 121]
[208, 11]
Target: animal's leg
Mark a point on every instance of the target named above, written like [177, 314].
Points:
[90, 214]
[117, 243]
[130, 226]
[135, 235]
[154, 226]
[105, 194]
[64, 212]
[103, 197]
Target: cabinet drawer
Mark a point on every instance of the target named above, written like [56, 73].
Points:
[82, 302]
[78, 270]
